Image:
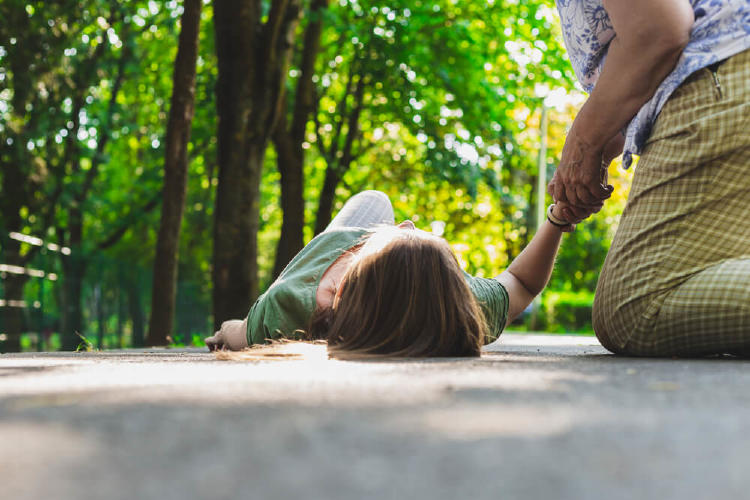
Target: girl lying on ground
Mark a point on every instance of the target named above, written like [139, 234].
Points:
[372, 288]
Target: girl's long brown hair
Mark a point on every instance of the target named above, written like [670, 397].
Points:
[404, 295]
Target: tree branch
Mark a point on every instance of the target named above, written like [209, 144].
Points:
[304, 96]
[128, 221]
[272, 28]
[277, 55]
[352, 126]
[318, 136]
[340, 113]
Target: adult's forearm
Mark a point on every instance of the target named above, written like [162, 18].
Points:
[651, 35]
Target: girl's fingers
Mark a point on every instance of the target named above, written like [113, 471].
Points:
[214, 342]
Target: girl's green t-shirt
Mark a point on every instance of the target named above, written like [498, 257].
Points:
[288, 304]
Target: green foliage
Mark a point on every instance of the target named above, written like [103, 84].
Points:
[451, 74]
[85, 345]
[195, 340]
[568, 311]
[63, 115]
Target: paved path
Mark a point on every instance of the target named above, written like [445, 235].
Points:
[536, 417]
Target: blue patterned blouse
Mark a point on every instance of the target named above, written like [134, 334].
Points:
[721, 29]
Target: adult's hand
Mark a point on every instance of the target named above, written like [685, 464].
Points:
[579, 183]
[656, 30]
[564, 211]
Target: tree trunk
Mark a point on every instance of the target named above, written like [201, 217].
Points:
[74, 268]
[136, 313]
[235, 236]
[120, 315]
[253, 58]
[101, 329]
[13, 285]
[14, 196]
[73, 282]
[163, 292]
[288, 142]
[326, 199]
[290, 159]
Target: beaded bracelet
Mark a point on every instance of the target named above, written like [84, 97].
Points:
[555, 221]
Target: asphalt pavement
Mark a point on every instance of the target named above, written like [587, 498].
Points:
[547, 417]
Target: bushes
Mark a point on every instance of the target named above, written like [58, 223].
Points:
[568, 311]
[560, 311]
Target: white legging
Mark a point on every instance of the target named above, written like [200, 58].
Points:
[366, 209]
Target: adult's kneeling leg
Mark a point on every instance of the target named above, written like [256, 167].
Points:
[679, 259]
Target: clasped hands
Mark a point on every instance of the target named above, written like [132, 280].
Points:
[579, 186]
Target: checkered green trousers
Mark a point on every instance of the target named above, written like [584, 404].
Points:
[676, 281]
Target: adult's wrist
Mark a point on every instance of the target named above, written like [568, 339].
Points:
[586, 132]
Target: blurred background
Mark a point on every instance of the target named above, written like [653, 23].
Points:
[160, 162]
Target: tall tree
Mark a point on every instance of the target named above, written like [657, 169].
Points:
[45, 99]
[163, 292]
[65, 96]
[253, 49]
[82, 178]
[289, 138]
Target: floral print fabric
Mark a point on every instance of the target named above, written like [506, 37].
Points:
[721, 29]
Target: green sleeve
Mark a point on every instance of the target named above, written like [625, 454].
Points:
[264, 321]
[493, 299]
[256, 330]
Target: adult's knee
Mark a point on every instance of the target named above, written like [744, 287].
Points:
[616, 312]
[602, 321]
[620, 323]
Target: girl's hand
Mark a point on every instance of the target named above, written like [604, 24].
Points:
[575, 215]
[231, 336]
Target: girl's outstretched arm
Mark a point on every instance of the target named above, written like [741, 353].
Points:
[529, 273]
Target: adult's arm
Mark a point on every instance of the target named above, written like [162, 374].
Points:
[529, 273]
[650, 36]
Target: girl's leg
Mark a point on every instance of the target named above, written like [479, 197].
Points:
[677, 278]
[366, 209]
